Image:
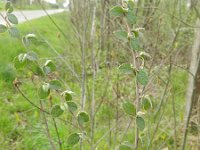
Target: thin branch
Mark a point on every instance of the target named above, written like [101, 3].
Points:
[175, 124]
[56, 128]
[106, 134]
[47, 127]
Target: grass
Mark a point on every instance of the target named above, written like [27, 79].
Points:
[2, 5]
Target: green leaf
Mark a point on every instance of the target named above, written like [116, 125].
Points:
[82, 117]
[73, 139]
[38, 71]
[145, 56]
[3, 28]
[31, 56]
[124, 147]
[68, 95]
[140, 123]
[131, 4]
[49, 66]
[12, 19]
[9, 7]
[29, 38]
[14, 32]
[18, 64]
[44, 91]
[129, 108]
[35, 68]
[117, 11]
[142, 77]
[126, 69]
[136, 33]
[20, 61]
[55, 85]
[146, 103]
[121, 35]
[134, 42]
[10, 10]
[22, 57]
[56, 111]
[131, 17]
[72, 106]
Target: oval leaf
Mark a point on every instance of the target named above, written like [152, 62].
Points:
[134, 42]
[145, 56]
[31, 56]
[35, 68]
[10, 10]
[146, 103]
[73, 139]
[44, 91]
[68, 95]
[14, 32]
[129, 108]
[131, 17]
[140, 123]
[55, 85]
[56, 111]
[72, 106]
[9, 7]
[126, 69]
[49, 66]
[121, 35]
[3, 28]
[117, 11]
[12, 19]
[142, 77]
[20, 61]
[28, 39]
[18, 64]
[131, 4]
[82, 117]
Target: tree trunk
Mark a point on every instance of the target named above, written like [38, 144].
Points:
[193, 91]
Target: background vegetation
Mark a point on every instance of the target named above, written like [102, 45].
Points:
[88, 54]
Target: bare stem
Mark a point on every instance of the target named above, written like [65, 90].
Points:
[56, 128]
[47, 128]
